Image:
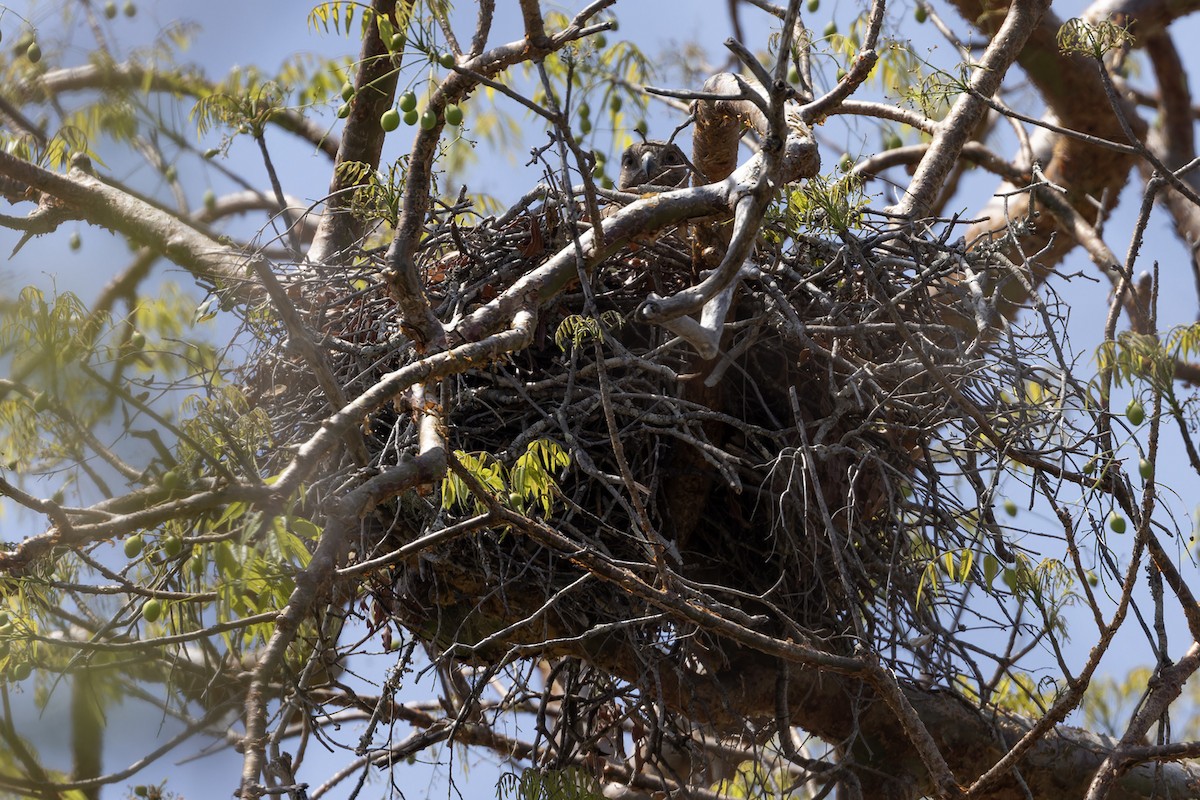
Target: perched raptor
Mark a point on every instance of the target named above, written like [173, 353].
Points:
[661, 165]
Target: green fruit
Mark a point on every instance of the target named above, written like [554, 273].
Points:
[1134, 412]
[446, 60]
[196, 564]
[921, 13]
[390, 120]
[515, 500]
[33, 52]
[813, 5]
[428, 120]
[454, 115]
[841, 73]
[137, 340]
[614, 103]
[1089, 467]
[1010, 507]
[1116, 522]
[606, 182]
[398, 41]
[130, 9]
[75, 241]
[212, 152]
[3, 618]
[134, 545]
[171, 480]
[343, 111]
[845, 163]
[641, 127]
[1145, 469]
[22, 671]
[41, 402]
[347, 91]
[585, 126]
[152, 609]
[411, 117]
[830, 29]
[597, 172]
[210, 199]
[1092, 578]
[585, 110]
[613, 25]
[793, 75]
[172, 546]
[600, 40]
[110, 10]
[408, 101]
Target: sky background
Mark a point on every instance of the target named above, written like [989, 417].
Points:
[265, 33]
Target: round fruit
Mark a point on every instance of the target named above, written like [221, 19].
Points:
[830, 29]
[196, 565]
[1134, 412]
[41, 401]
[614, 103]
[454, 115]
[1089, 467]
[152, 609]
[3, 618]
[398, 41]
[408, 101]
[585, 110]
[641, 127]
[793, 75]
[515, 500]
[585, 125]
[813, 5]
[597, 172]
[446, 60]
[75, 242]
[428, 120]
[347, 90]
[33, 52]
[1116, 522]
[844, 163]
[172, 546]
[110, 9]
[210, 199]
[343, 111]
[411, 116]
[920, 12]
[212, 152]
[841, 73]
[22, 671]
[1145, 469]
[600, 40]
[390, 120]
[130, 9]
[137, 340]
[1010, 507]
[134, 545]
[171, 480]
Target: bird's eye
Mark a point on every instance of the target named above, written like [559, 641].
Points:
[627, 159]
[672, 157]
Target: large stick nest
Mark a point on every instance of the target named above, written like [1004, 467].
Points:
[795, 477]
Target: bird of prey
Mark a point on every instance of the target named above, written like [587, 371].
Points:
[654, 166]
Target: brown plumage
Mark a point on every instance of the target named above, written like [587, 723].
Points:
[661, 165]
